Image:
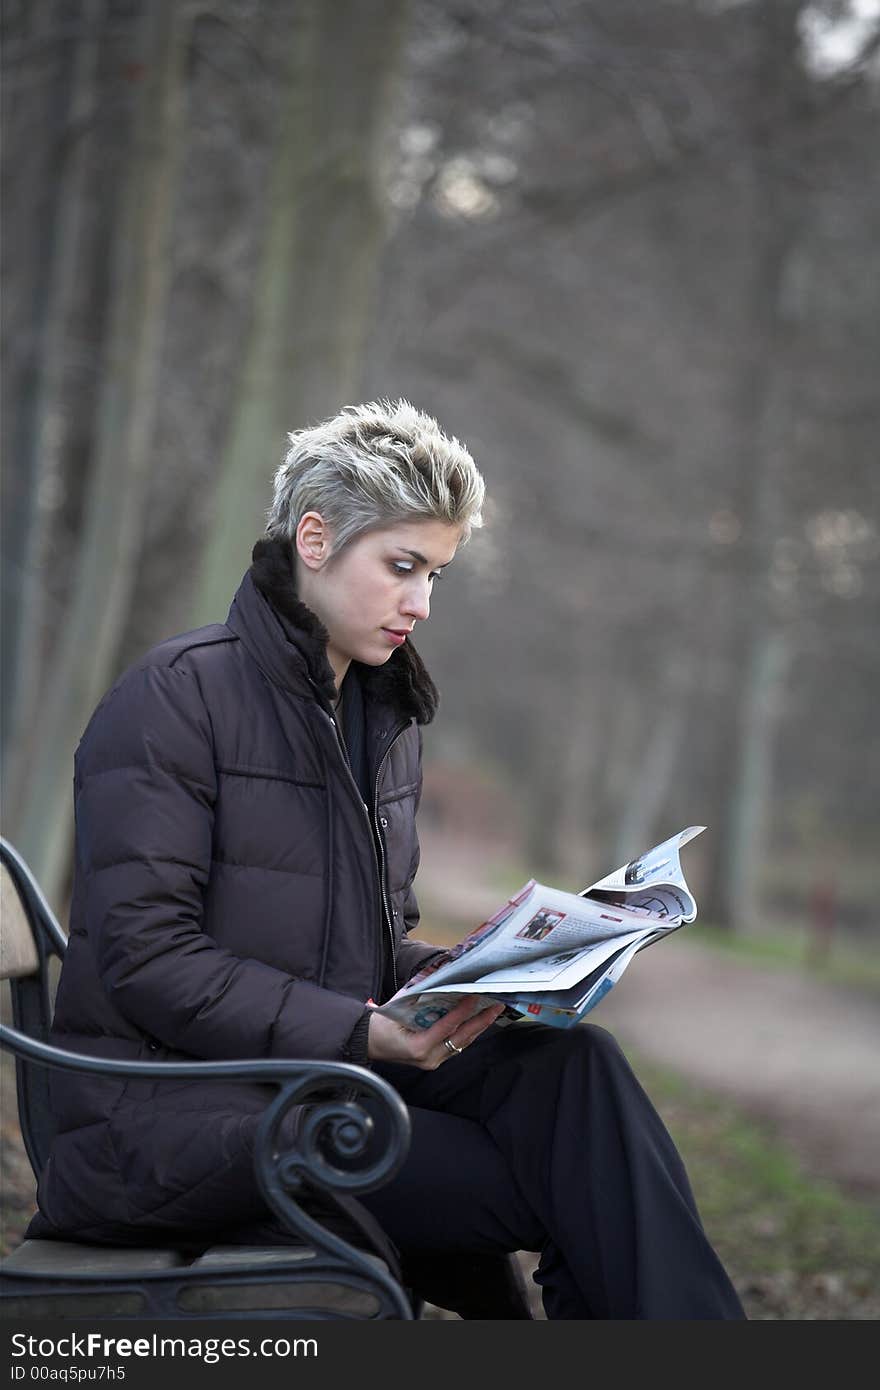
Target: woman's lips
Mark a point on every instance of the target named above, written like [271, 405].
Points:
[395, 638]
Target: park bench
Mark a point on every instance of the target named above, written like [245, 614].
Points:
[319, 1275]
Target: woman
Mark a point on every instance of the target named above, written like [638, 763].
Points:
[245, 855]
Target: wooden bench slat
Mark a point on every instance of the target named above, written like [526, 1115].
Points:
[62, 1257]
[322, 1292]
[18, 950]
[253, 1257]
[322, 1295]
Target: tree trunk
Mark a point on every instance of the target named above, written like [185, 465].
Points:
[38, 458]
[110, 541]
[34, 185]
[325, 231]
[760, 444]
[750, 802]
[652, 779]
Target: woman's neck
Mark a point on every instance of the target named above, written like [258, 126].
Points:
[339, 665]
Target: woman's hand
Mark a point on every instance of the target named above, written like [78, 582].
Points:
[426, 1047]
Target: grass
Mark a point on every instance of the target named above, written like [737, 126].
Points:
[778, 944]
[795, 1247]
[788, 948]
[784, 938]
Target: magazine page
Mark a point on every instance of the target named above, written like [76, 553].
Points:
[546, 945]
[561, 1007]
[554, 1004]
[571, 966]
[421, 1010]
[560, 970]
[538, 922]
[422, 1002]
[654, 882]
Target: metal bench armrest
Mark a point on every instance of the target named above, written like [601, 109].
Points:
[329, 1154]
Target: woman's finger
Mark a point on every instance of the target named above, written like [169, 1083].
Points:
[472, 1028]
[451, 1021]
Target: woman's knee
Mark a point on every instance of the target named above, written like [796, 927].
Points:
[588, 1045]
[586, 1038]
[598, 1039]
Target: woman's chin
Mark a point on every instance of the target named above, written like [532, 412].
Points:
[380, 651]
[374, 655]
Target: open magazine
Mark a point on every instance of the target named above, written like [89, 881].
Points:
[553, 955]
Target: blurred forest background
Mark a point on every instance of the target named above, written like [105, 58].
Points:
[627, 252]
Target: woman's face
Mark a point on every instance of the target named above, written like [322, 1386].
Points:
[371, 595]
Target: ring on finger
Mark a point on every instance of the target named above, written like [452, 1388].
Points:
[451, 1048]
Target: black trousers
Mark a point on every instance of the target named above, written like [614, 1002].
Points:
[532, 1139]
[542, 1139]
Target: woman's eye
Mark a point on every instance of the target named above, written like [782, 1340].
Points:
[402, 567]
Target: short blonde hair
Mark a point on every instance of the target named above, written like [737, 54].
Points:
[371, 466]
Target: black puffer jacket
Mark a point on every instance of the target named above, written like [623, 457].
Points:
[233, 897]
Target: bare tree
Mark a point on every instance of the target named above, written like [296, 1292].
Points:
[316, 277]
[109, 546]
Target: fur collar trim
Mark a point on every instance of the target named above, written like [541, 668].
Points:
[402, 682]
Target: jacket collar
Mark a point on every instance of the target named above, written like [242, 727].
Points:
[289, 642]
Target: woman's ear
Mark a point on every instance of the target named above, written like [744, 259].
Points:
[313, 540]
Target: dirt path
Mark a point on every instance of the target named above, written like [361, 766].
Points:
[799, 1053]
[804, 1055]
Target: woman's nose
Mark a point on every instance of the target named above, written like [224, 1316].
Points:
[417, 603]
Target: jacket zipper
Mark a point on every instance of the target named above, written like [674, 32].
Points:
[381, 843]
[378, 857]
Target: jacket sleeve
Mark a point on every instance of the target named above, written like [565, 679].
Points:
[145, 789]
[412, 955]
